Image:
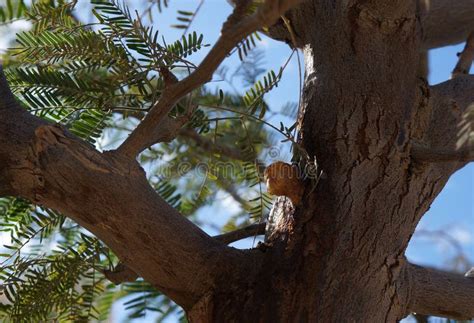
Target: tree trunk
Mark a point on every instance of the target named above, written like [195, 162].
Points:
[336, 257]
[340, 256]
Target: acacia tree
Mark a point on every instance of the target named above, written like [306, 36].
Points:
[386, 141]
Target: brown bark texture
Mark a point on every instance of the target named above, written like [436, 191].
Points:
[337, 256]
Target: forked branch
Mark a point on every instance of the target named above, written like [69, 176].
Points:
[136, 220]
[236, 29]
[448, 137]
[465, 57]
[446, 22]
[439, 293]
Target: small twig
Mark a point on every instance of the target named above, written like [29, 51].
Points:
[426, 154]
[465, 58]
[249, 231]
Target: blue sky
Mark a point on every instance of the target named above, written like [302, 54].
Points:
[453, 210]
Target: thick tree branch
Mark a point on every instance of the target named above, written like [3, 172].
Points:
[123, 273]
[446, 22]
[249, 231]
[465, 57]
[443, 22]
[427, 154]
[145, 134]
[111, 197]
[438, 293]
[449, 132]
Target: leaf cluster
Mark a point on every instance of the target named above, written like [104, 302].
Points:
[99, 79]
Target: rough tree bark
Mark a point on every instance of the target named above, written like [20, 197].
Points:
[339, 256]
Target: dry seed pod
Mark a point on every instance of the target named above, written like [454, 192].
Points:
[284, 179]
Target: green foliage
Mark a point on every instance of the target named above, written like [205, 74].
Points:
[12, 11]
[120, 26]
[262, 203]
[254, 97]
[47, 15]
[94, 80]
[185, 47]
